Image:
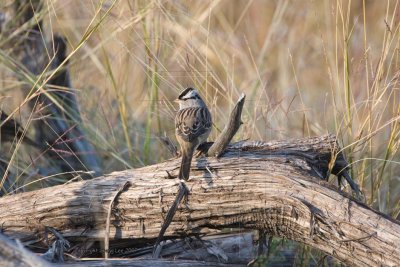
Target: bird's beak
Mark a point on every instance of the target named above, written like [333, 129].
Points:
[176, 100]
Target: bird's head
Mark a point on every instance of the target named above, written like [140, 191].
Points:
[189, 98]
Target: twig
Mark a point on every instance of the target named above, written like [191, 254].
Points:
[218, 148]
[358, 239]
[56, 252]
[106, 237]
[182, 192]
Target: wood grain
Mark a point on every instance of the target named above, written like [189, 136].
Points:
[273, 186]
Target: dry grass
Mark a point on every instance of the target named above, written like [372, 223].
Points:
[307, 68]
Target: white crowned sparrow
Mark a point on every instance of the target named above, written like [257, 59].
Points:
[192, 126]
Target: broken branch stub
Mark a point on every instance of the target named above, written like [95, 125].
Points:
[270, 186]
[224, 138]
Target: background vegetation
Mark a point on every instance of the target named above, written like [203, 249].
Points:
[307, 68]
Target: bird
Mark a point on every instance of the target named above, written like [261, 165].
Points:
[192, 127]
[10, 130]
[193, 124]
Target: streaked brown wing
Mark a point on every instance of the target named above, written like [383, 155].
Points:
[191, 123]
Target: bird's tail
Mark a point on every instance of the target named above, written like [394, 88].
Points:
[184, 171]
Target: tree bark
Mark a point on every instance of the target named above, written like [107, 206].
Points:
[146, 263]
[14, 254]
[275, 187]
[225, 137]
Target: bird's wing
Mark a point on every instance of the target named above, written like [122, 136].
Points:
[191, 123]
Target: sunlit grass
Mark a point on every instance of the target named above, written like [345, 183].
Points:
[307, 68]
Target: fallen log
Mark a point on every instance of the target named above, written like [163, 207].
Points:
[14, 254]
[146, 263]
[275, 187]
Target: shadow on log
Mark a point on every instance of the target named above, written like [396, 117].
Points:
[272, 186]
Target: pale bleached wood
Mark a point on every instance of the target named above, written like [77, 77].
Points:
[146, 263]
[230, 129]
[271, 186]
[13, 254]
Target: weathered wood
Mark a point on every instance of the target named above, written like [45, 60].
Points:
[272, 186]
[230, 129]
[232, 248]
[12, 254]
[145, 263]
[238, 247]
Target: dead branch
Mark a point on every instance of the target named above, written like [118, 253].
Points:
[147, 263]
[14, 254]
[183, 192]
[272, 186]
[225, 137]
